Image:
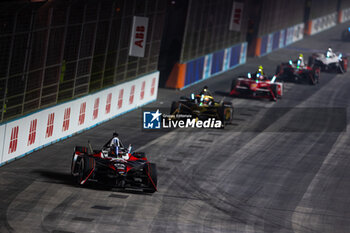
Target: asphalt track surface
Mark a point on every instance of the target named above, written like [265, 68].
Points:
[263, 173]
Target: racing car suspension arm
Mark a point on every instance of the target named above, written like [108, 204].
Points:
[83, 181]
[149, 177]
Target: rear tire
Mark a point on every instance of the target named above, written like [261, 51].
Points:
[151, 171]
[274, 91]
[311, 61]
[278, 70]
[174, 107]
[343, 65]
[233, 84]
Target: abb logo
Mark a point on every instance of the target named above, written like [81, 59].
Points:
[82, 113]
[139, 36]
[120, 98]
[66, 119]
[32, 132]
[142, 94]
[132, 92]
[13, 140]
[153, 86]
[108, 103]
[237, 16]
[96, 106]
[49, 127]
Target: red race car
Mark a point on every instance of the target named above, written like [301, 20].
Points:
[257, 86]
[297, 72]
[119, 168]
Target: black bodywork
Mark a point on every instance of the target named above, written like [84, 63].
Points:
[222, 111]
[135, 172]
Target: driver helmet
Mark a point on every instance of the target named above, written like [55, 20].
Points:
[300, 56]
[260, 71]
[115, 134]
[205, 91]
[329, 52]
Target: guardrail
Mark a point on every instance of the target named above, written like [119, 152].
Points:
[279, 39]
[321, 23]
[191, 72]
[39, 129]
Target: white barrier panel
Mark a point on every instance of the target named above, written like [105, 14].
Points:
[2, 138]
[322, 23]
[344, 15]
[22, 136]
[298, 32]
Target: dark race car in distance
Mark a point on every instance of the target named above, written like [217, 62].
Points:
[203, 107]
[297, 73]
[256, 86]
[123, 170]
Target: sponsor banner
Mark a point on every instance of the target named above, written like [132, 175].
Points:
[323, 23]
[138, 36]
[226, 63]
[207, 66]
[281, 39]
[236, 16]
[243, 54]
[298, 32]
[345, 15]
[211, 64]
[32, 132]
[269, 43]
[290, 33]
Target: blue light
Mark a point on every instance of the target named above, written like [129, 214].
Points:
[192, 96]
[349, 29]
[290, 62]
[249, 75]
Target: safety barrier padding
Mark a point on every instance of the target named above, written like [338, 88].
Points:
[344, 15]
[278, 39]
[34, 131]
[196, 70]
[322, 23]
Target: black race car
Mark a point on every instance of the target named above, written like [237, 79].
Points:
[120, 169]
[203, 107]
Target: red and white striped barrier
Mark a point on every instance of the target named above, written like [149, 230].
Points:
[29, 133]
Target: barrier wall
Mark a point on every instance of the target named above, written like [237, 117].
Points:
[32, 132]
[322, 23]
[279, 39]
[196, 70]
[344, 15]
